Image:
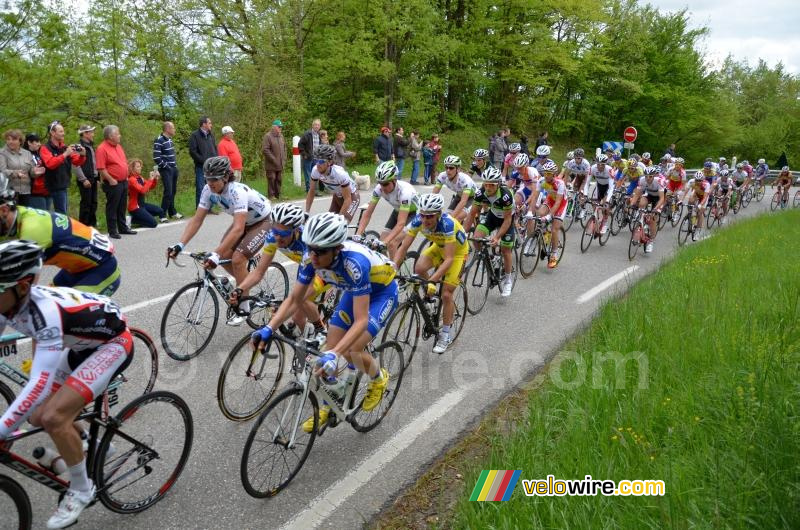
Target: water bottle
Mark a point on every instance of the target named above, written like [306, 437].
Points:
[337, 385]
[497, 265]
[50, 460]
[226, 286]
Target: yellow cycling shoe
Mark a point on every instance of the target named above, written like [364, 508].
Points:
[308, 425]
[375, 391]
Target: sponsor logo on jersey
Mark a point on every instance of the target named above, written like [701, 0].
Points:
[352, 268]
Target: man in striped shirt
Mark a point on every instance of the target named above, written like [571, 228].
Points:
[164, 159]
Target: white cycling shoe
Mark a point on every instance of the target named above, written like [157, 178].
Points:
[507, 285]
[70, 508]
[442, 343]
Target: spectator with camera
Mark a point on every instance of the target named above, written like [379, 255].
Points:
[17, 164]
[39, 197]
[86, 176]
[58, 160]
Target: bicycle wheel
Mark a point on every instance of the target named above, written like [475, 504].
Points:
[685, 230]
[459, 312]
[572, 213]
[143, 452]
[636, 239]
[761, 190]
[139, 377]
[587, 211]
[528, 256]
[562, 244]
[15, 505]
[390, 356]
[269, 462]
[588, 233]
[737, 202]
[189, 321]
[249, 379]
[796, 200]
[618, 219]
[776, 201]
[663, 217]
[404, 328]
[476, 280]
[677, 214]
[275, 283]
[603, 238]
[407, 267]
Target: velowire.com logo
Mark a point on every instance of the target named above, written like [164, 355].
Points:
[495, 485]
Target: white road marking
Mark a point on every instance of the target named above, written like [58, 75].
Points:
[135, 307]
[160, 225]
[602, 286]
[338, 493]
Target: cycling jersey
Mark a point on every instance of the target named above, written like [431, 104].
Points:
[403, 197]
[447, 230]
[705, 176]
[462, 183]
[676, 175]
[237, 198]
[516, 176]
[699, 186]
[499, 203]
[81, 340]
[653, 188]
[633, 173]
[336, 179]
[748, 169]
[526, 189]
[578, 169]
[725, 184]
[294, 251]
[537, 162]
[601, 176]
[762, 170]
[551, 191]
[739, 176]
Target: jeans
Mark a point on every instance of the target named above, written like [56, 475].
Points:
[428, 171]
[169, 178]
[308, 167]
[400, 163]
[60, 204]
[116, 199]
[145, 215]
[199, 184]
[415, 172]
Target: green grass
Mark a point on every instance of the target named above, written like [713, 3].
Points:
[718, 415]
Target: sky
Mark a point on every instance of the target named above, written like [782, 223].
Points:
[747, 29]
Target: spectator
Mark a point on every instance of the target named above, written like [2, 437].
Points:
[670, 151]
[437, 151]
[523, 142]
[342, 154]
[382, 146]
[499, 148]
[542, 140]
[58, 160]
[400, 150]
[273, 147]
[166, 162]
[308, 142]
[112, 164]
[227, 147]
[323, 137]
[86, 176]
[202, 146]
[17, 165]
[39, 197]
[427, 155]
[142, 213]
[414, 153]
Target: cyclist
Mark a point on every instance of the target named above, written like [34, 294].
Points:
[707, 173]
[84, 255]
[563, 174]
[784, 182]
[446, 254]
[723, 163]
[81, 341]
[551, 196]
[646, 159]
[676, 176]
[523, 181]
[542, 156]
[498, 201]
[345, 197]
[762, 170]
[699, 190]
[741, 177]
[400, 194]
[601, 172]
[244, 237]
[286, 235]
[462, 186]
[650, 191]
[480, 161]
[369, 298]
[578, 170]
[724, 186]
[513, 150]
[630, 177]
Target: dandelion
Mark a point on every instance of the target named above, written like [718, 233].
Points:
[615, 437]
[697, 418]
[652, 458]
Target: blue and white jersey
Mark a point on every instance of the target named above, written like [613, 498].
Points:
[356, 269]
[237, 198]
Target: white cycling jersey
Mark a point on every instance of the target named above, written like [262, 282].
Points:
[602, 176]
[237, 198]
[654, 188]
[577, 169]
[336, 179]
[458, 185]
[402, 197]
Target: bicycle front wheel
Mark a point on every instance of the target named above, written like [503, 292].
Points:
[459, 310]
[390, 356]
[274, 284]
[677, 213]
[685, 230]
[248, 379]
[776, 201]
[143, 452]
[15, 505]
[528, 256]
[588, 233]
[139, 377]
[760, 192]
[476, 281]
[404, 327]
[796, 200]
[636, 240]
[277, 446]
[189, 321]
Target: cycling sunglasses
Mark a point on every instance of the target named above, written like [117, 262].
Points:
[319, 251]
[428, 215]
[450, 167]
[320, 161]
[282, 233]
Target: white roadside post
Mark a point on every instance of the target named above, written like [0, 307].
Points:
[296, 160]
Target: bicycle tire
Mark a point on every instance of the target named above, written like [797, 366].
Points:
[196, 350]
[663, 217]
[528, 256]
[603, 239]
[617, 220]
[635, 241]
[587, 210]
[588, 233]
[476, 280]
[796, 199]
[390, 356]
[761, 190]
[677, 215]
[275, 283]
[685, 230]
[257, 444]
[20, 499]
[562, 244]
[775, 202]
[140, 376]
[8, 398]
[231, 407]
[404, 327]
[142, 454]
[570, 217]
[460, 301]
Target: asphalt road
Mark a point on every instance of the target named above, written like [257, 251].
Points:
[350, 476]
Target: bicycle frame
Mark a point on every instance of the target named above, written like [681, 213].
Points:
[485, 255]
[431, 321]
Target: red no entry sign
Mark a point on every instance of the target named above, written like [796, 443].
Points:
[630, 134]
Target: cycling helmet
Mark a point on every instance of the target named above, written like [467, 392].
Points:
[492, 175]
[7, 193]
[666, 158]
[636, 157]
[578, 152]
[602, 159]
[745, 162]
[740, 165]
[617, 155]
[646, 156]
[724, 173]
[217, 167]
[549, 167]
[386, 171]
[431, 202]
[325, 230]
[18, 259]
[521, 160]
[680, 161]
[651, 171]
[762, 161]
[570, 155]
[325, 152]
[288, 214]
[785, 168]
[723, 159]
[708, 165]
[481, 154]
[543, 150]
[515, 147]
[452, 160]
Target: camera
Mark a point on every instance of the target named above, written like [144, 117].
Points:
[77, 147]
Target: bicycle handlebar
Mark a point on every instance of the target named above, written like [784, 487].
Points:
[416, 279]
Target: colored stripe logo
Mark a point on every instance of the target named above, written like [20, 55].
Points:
[495, 485]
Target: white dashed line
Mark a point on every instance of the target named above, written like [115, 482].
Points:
[605, 284]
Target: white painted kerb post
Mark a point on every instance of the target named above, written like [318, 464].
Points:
[296, 170]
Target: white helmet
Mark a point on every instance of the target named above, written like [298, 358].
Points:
[325, 230]
[571, 155]
[602, 159]
[515, 147]
[452, 160]
[543, 150]
[492, 175]
[762, 161]
[646, 156]
[288, 214]
[521, 160]
[431, 202]
[19, 258]
[386, 171]
[480, 153]
[549, 167]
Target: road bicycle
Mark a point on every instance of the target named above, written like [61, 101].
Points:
[576, 204]
[421, 315]
[278, 446]
[640, 235]
[689, 225]
[138, 459]
[672, 211]
[594, 226]
[191, 315]
[484, 271]
[716, 210]
[538, 246]
[778, 200]
[621, 215]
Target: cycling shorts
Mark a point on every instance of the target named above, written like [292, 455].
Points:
[784, 182]
[436, 254]
[602, 191]
[252, 240]
[674, 185]
[337, 203]
[489, 222]
[577, 183]
[457, 199]
[103, 279]
[381, 306]
[631, 187]
[652, 200]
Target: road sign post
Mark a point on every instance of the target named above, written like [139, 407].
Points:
[629, 136]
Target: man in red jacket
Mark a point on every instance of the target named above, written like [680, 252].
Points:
[58, 160]
[227, 147]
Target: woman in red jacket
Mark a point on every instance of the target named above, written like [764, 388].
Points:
[142, 213]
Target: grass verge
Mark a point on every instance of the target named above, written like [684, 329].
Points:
[706, 398]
